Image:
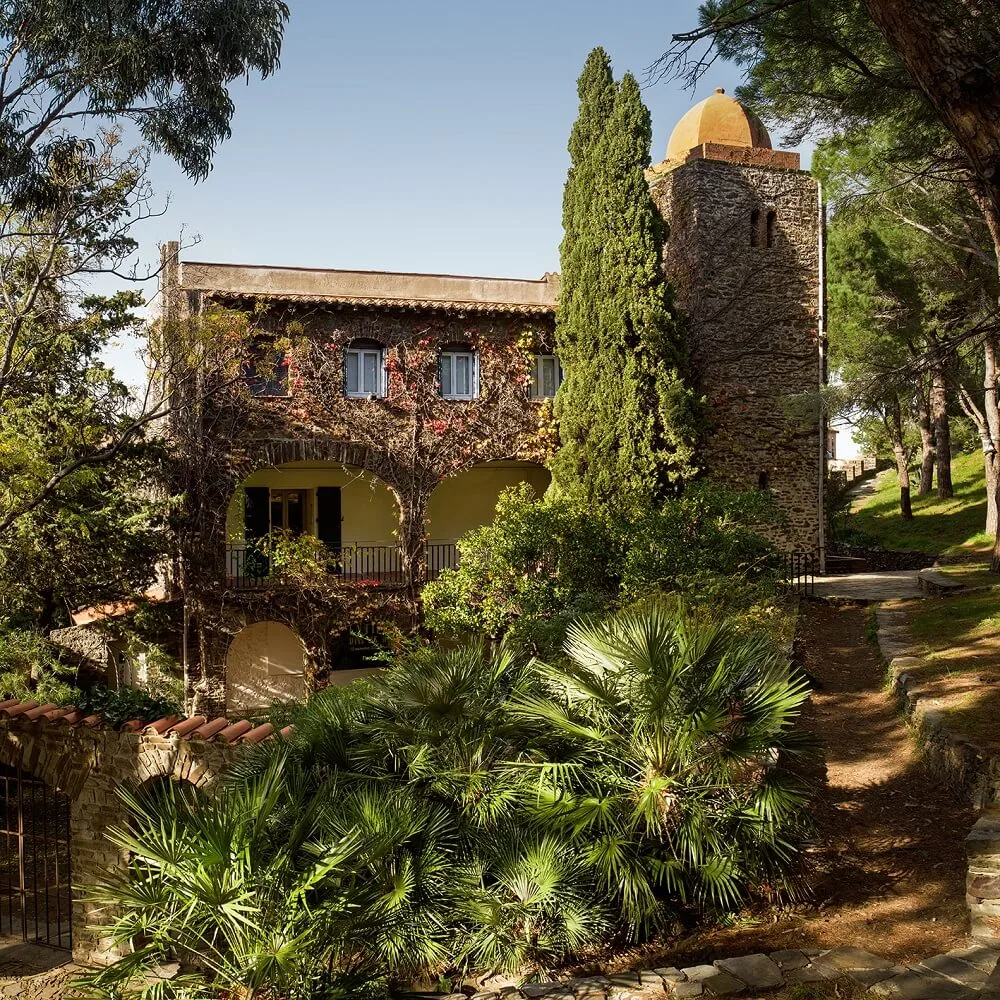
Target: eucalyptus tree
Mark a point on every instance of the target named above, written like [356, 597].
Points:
[75, 75]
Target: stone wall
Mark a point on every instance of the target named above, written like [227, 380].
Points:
[962, 765]
[753, 315]
[88, 765]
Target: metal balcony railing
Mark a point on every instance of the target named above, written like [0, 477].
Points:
[440, 555]
[247, 568]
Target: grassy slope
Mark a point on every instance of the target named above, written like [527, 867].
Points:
[961, 640]
[942, 527]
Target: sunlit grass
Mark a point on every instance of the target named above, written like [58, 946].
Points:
[951, 528]
[960, 637]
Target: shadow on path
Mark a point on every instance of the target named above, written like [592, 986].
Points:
[888, 867]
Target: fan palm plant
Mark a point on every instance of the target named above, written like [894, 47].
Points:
[667, 737]
[472, 809]
[250, 904]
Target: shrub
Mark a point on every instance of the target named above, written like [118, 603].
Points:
[543, 564]
[125, 704]
[30, 668]
[537, 566]
[475, 809]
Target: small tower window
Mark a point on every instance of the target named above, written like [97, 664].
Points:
[772, 227]
[755, 228]
[763, 481]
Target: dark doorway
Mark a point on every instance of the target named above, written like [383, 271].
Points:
[35, 894]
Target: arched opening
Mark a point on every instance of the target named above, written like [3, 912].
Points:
[468, 500]
[763, 481]
[265, 663]
[352, 512]
[755, 235]
[36, 897]
[353, 654]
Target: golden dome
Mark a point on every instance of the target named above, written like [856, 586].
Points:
[720, 119]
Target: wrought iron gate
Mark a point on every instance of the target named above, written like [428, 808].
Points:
[35, 893]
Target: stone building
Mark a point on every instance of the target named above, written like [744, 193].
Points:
[382, 414]
[745, 255]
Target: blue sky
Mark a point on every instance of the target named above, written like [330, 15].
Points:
[414, 137]
[426, 137]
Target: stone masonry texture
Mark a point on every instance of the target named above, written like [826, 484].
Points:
[89, 766]
[753, 314]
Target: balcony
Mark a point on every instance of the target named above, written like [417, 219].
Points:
[352, 565]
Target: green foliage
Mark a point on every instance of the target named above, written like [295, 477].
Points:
[536, 567]
[244, 890]
[542, 564]
[164, 66]
[474, 810]
[125, 704]
[31, 669]
[627, 421]
[821, 67]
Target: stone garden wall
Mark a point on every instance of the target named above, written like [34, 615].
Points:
[960, 763]
[89, 764]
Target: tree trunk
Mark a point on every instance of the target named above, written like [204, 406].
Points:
[894, 426]
[949, 48]
[942, 429]
[903, 473]
[992, 463]
[927, 454]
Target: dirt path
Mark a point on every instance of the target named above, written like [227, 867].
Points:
[889, 865]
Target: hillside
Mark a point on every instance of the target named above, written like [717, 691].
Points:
[951, 528]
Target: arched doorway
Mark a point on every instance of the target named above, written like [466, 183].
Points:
[265, 663]
[468, 500]
[35, 881]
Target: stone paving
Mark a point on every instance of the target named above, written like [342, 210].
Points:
[961, 974]
[34, 972]
[885, 585]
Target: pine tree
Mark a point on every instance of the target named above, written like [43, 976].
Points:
[627, 421]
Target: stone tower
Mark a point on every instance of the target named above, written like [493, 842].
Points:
[745, 256]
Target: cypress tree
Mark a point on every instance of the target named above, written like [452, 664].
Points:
[579, 252]
[627, 420]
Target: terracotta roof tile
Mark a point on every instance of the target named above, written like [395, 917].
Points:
[188, 726]
[210, 729]
[235, 731]
[198, 727]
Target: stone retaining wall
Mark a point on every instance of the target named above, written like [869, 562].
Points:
[883, 559]
[956, 975]
[957, 761]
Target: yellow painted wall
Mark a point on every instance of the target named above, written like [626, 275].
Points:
[468, 500]
[265, 663]
[368, 509]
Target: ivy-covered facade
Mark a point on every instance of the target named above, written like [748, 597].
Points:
[380, 425]
[369, 419]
